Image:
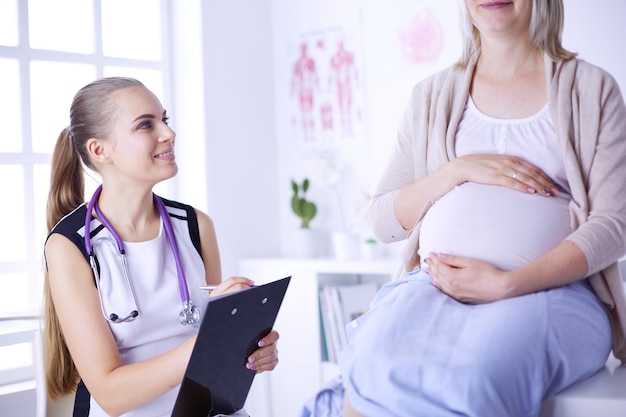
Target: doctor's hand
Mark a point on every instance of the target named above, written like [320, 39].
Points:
[266, 357]
[232, 284]
[467, 280]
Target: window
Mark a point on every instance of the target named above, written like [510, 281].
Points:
[48, 50]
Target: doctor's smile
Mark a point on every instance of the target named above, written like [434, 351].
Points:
[169, 155]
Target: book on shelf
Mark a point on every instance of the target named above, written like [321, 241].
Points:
[339, 305]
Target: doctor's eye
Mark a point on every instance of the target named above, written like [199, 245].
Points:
[145, 125]
[166, 120]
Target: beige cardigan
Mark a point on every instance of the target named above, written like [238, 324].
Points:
[589, 117]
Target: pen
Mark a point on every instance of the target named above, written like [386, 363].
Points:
[210, 288]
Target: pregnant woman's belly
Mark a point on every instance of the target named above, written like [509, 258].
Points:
[495, 224]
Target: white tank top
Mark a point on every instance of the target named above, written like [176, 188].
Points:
[154, 278]
[504, 227]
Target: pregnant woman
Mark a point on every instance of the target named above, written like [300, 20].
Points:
[508, 183]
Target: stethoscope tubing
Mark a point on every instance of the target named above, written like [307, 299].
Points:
[190, 313]
[169, 234]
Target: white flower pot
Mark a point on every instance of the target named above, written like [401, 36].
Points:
[346, 246]
[305, 243]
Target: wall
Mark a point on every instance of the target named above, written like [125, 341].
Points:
[597, 32]
[240, 143]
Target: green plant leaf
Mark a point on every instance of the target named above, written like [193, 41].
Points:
[309, 210]
[296, 206]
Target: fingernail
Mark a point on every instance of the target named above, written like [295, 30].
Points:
[546, 192]
[261, 343]
[426, 260]
[531, 190]
[250, 366]
[251, 359]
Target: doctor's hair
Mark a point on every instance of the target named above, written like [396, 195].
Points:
[545, 30]
[91, 116]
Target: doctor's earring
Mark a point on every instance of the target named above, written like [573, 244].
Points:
[107, 160]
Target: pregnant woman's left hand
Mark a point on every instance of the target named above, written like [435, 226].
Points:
[467, 280]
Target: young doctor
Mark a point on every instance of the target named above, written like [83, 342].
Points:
[122, 294]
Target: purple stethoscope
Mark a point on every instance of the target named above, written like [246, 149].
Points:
[190, 314]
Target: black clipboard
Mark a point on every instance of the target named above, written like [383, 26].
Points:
[216, 380]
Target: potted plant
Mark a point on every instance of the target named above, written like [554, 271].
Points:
[306, 241]
[303, 208]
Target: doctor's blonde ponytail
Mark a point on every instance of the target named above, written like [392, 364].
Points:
[67, 183]
[67, 186]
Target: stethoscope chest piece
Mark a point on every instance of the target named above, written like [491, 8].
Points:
[190, 314]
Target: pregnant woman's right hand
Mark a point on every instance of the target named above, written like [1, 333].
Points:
[505, 170]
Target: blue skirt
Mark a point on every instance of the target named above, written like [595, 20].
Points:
[418, 352]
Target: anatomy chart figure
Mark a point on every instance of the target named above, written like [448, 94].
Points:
[343, 75]
[304, 84]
